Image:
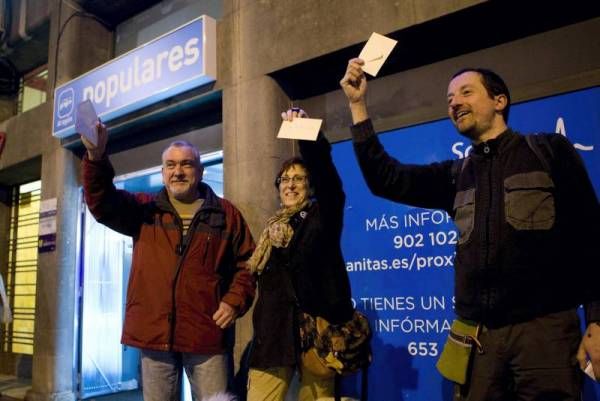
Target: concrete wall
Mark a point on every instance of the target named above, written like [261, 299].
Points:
[557, 61]
[28, 134]
[272, 34]
[8, 107]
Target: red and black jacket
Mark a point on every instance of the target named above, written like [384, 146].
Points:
[169, 304]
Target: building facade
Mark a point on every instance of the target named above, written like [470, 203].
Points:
[270, 54]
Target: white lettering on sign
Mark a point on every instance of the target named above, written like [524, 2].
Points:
[462, 150]
[143, 72]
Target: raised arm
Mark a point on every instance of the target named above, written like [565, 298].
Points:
[118, 210]
[429, 186]
[324, 177]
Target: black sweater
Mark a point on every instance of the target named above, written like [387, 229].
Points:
[527, 237]
[309, 275]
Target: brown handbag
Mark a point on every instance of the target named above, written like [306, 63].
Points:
[327, 349]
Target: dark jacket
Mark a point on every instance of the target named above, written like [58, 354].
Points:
[523, 249]
[169, 308]
[310, 274]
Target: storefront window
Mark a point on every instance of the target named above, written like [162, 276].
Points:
[32, 90]
[22, 267]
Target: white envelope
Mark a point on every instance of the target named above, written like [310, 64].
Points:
[589, 370]
[86, 120]
[300, 128]
[376, 51]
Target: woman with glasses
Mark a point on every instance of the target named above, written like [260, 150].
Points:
[299, 264]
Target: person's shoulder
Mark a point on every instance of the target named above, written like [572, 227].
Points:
[557, 139]
[211, 199]
[160, 198]
[555, 143]
[550, 137]
[226, 204]
[229, 208]
[231, 212]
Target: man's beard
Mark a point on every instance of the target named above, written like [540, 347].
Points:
[471, 133]
[180, 193]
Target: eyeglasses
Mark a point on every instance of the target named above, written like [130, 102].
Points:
[297, 179]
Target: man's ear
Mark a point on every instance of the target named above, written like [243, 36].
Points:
[501, 102]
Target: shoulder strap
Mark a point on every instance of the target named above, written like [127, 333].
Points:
[540, 145]
[458, 166]
[337, 391]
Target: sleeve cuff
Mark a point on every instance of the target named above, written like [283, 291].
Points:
[362, 131]
[592, 312]
[102, 160]
[234, 301]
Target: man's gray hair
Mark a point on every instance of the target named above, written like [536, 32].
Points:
[184, 144]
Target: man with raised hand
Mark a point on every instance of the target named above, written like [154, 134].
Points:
[188, 281]
[525, 256]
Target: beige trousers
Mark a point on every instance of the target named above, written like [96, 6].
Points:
[272, 385]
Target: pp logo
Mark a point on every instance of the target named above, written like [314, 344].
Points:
[66, 102]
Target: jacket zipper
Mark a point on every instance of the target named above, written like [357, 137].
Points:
[487, 231]
[181, 250]
[206, 248]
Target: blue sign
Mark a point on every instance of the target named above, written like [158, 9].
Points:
[400, 259]
[178, 61]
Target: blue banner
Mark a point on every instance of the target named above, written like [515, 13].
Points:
[178, 61]
[400, 258]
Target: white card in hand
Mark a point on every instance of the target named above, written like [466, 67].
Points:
[86, 120]
[589, 370]
[375, 52]
[300, 128]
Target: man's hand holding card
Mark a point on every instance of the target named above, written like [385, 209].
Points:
[93, 133]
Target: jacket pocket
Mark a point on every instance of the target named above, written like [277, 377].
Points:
[207, 296]
[529, 201]
[464, 214]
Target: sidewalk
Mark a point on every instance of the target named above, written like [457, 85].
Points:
[13, 388]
